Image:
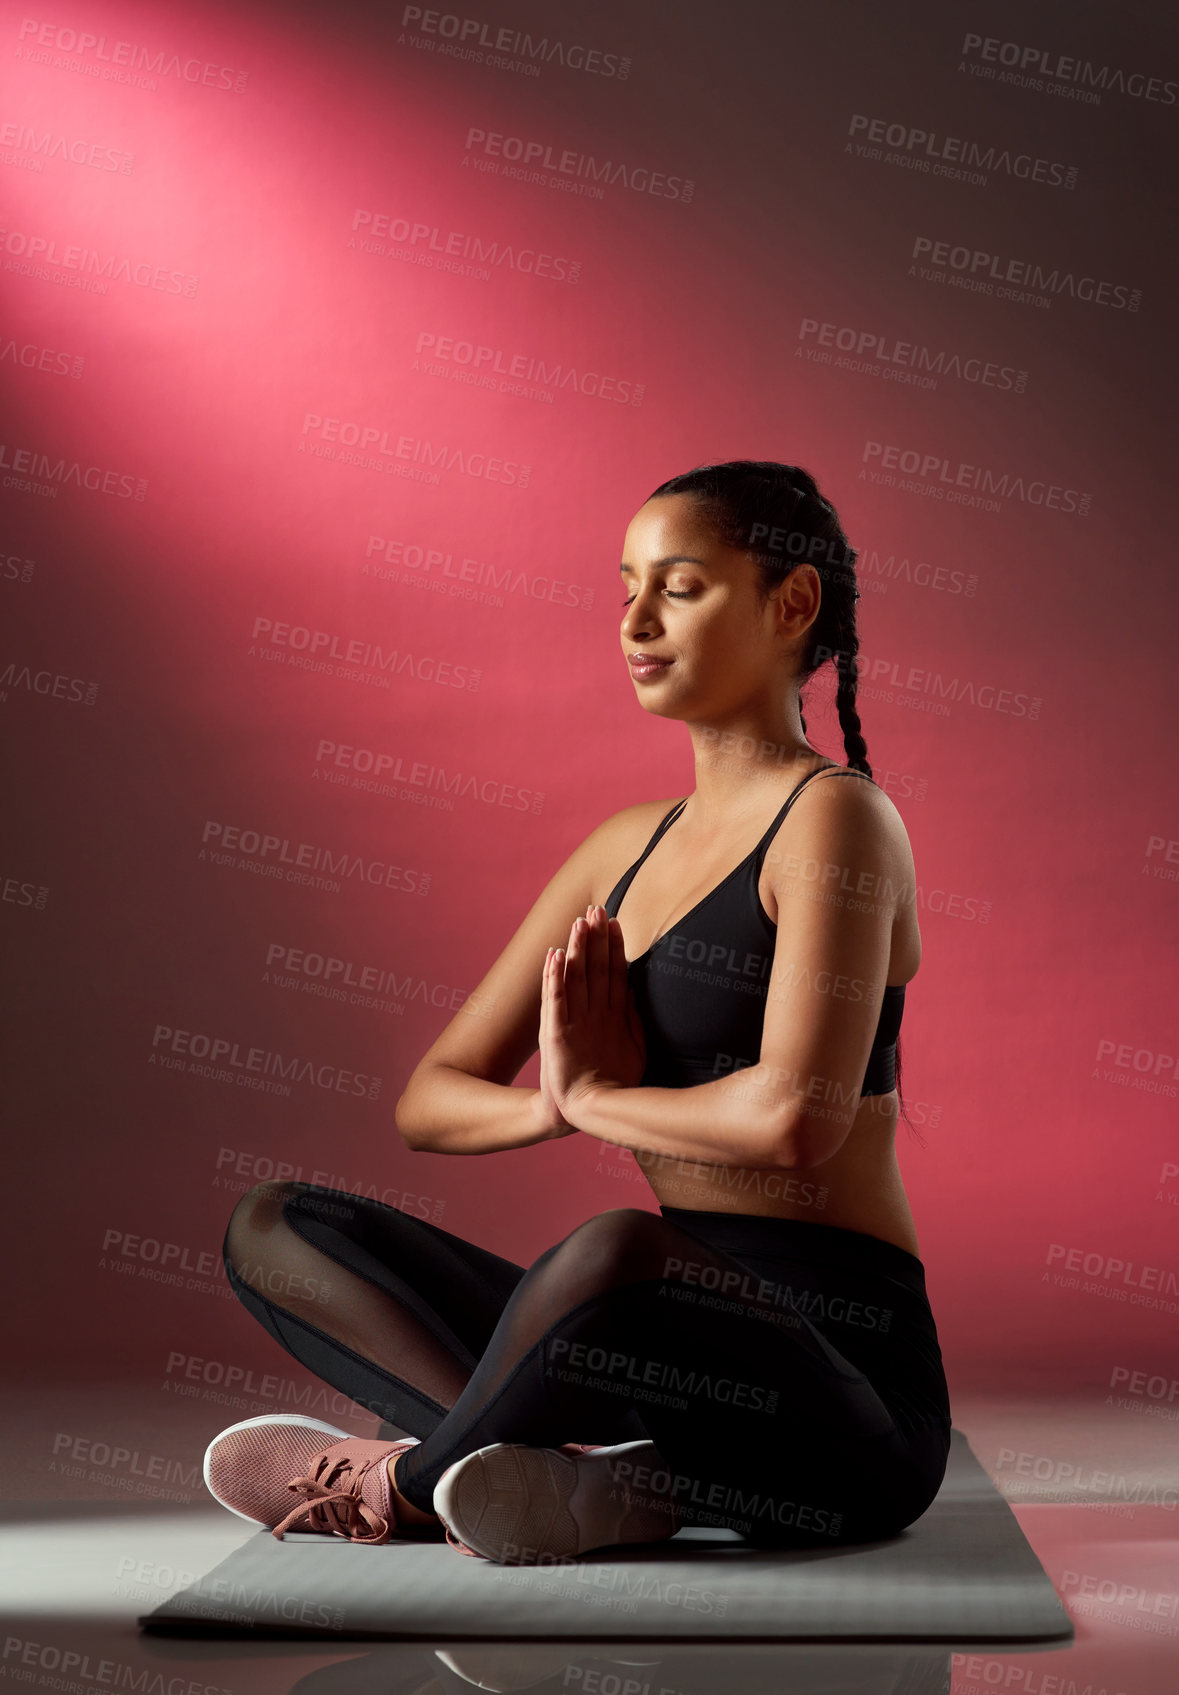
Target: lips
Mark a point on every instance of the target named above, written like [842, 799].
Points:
[645, 662]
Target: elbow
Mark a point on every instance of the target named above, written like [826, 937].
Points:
[800, 1142]
[781, 1141]
[409, 1128]
[416, 1114]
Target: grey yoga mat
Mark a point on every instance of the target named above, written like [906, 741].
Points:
[963, 1572]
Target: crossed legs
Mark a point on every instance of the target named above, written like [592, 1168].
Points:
[757, 1422]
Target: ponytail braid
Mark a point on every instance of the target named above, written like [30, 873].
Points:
[844, 659]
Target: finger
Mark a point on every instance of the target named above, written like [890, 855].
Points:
[597, 955]
[558, 1000]
[576, 998]
[557, 1011]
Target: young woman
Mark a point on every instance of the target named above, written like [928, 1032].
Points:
[717, 986]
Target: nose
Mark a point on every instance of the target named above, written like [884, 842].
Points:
[638, 617]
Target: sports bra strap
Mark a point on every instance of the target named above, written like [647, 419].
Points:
[624, 882]
[841, 770]
[668, 819]
[758, 853]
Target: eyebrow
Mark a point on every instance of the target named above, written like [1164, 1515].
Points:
[671, 559]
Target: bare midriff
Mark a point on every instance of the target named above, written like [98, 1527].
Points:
[858, 1188]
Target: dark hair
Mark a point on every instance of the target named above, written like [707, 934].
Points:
[776, 514]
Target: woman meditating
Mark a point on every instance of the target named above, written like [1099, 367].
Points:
[715, 984]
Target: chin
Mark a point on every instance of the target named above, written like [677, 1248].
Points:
[664, 708]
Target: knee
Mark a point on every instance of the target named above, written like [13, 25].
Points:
[618, 1226]
[626, 1238]
[258, 1213]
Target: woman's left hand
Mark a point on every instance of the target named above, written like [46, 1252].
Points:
[591, 1034]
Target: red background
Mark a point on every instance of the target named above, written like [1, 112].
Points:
[247, 143]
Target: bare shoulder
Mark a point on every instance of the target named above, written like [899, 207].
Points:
[849, 802]
[608, 849]
[611, 846]
[856, 805]
[619, 839]
[845, 835]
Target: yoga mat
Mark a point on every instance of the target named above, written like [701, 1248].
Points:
[963, 1572]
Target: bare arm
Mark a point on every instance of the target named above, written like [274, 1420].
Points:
[451, 1112]
[717, 1123]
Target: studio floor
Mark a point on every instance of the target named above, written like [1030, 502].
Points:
[104, 1516]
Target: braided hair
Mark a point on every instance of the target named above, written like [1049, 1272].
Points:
[775, 513]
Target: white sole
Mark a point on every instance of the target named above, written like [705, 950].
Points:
[480, 1661]
[518, 1505]
[249, 1424]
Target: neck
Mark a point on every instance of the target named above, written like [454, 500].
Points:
[739, 762]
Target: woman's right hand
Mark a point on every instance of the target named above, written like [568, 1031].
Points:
[553, 1122]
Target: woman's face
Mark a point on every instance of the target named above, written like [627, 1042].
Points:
[694, 602]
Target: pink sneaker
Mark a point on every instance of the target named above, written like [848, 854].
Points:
[278, 1470]
[531, 1506]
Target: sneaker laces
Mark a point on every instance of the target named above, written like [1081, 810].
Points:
[332, 1501]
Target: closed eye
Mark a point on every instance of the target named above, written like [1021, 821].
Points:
[676, 594]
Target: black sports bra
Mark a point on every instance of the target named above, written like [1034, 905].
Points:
[700, 988]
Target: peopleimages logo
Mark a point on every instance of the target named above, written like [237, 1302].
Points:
[475, 361]
[58, 684]
[455, 250]
[426, 777]
[875, 350]
[246, 1064]
[87, 1666]
[31, 253]
[502, 44]
[55, 144]
[377, 448]
[422, 567]
[1024, 65]
[1112, 1274]
[877, 673]
[534, 157]
[119, 59]
[936, 470]
[33, 466]
[305, 649]
[983, 1673]
[990, 273]
[304, 862]
[951, 155]
[318, 968]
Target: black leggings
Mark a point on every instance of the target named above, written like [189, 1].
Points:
[787, 1373]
